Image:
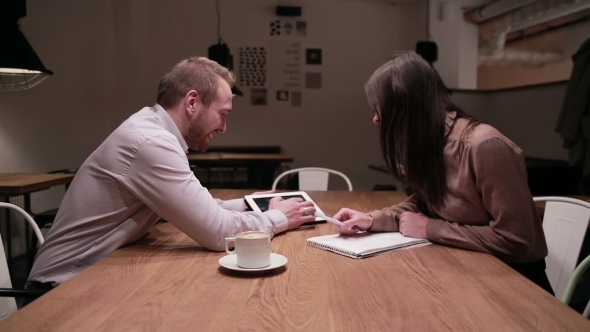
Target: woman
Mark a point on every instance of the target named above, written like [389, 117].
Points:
[468, 180]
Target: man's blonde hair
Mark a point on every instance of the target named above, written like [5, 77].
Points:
[195, 73]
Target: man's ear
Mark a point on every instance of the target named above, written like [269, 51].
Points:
[192, 101]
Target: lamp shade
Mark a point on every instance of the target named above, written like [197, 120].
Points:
[220, 53]
[236, 92]
[20, 67]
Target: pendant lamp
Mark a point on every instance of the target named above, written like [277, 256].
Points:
[20, 67]
[221, 54]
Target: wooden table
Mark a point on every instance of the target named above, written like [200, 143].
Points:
[17, 184]
[261, 166]
[166, 282]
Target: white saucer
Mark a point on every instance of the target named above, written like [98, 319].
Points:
[230, 262]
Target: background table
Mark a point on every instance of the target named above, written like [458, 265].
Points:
[23, 184]
[244, 149]
[260, 166]
[16, 184]
[166, 282]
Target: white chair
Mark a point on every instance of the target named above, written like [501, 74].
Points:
[565, 222]
[7, 302]
[312, 178]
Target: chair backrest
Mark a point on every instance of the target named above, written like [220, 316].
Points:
[7, 304]
[312, 178]
[571, 285]
[565, 222]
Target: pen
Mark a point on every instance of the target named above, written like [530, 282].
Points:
[332, 220]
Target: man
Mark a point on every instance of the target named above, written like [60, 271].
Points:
[140, 174]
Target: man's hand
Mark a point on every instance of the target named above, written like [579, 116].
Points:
[413, 224]
[246, 207]
[297, 210]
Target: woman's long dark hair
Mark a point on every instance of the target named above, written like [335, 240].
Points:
[412, 103]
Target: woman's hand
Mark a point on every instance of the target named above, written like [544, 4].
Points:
[413, 224]
[353, 221]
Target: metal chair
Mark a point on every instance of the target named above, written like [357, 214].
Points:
[571, 285]
[565, 222]
[312, 178]
[7, 293]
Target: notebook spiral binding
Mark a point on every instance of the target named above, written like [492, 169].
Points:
[333, 249]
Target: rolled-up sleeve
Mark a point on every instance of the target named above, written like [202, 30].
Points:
[160, 177]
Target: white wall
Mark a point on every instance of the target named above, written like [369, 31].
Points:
[457, 43]
[59, 122]
[109, 55]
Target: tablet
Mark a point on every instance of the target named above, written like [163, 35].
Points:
[260, 202]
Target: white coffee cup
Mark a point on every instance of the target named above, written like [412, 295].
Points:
[252, 249]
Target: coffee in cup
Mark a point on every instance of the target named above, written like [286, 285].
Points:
[252, 249]
[253, 235]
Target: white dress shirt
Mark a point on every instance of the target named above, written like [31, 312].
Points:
[137, 175]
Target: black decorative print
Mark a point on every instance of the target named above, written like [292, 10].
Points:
[275, 28]
[252, 70]
[258, 96]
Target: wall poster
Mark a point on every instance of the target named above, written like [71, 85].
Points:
[285, 65]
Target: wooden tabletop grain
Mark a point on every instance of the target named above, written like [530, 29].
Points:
[14, 184]
[166, 282]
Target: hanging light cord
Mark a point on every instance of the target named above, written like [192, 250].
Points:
[428, 36]
[218, 22]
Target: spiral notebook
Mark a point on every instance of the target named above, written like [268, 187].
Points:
[365, 244]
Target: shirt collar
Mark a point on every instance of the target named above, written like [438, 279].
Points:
[169, 125]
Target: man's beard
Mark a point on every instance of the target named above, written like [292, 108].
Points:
[197, 137]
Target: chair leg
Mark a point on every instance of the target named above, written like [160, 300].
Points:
[587, 310]
[8, 235]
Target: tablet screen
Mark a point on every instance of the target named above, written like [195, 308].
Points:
[264, 202]
[261, 202]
